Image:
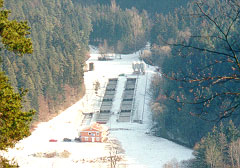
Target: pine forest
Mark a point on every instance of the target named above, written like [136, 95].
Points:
[194, 46]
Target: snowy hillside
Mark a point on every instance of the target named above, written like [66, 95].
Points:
[141, 150]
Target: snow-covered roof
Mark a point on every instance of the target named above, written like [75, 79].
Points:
[111, 87]
[108, 97]
[105, 108]
[126, 107]
[106, 103]
[97, 127]
[110, 92]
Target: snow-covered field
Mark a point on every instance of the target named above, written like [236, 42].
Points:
[142, 150]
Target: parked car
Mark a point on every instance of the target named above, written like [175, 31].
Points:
[52, 140]
[77, 139]
[67, 140]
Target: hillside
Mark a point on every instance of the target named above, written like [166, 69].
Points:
[151, 6]
[130, 137]
[53, 74]
[60, 31]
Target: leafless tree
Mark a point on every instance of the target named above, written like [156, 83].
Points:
[137, 26]
[234, 153]
[96, 86]
[213, 156]
[104, 49]
[217, 40]
[119, 49]
[114, 153]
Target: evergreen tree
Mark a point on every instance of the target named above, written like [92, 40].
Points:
[200, 73]
[14, 33]
[216, 150]
[14, 122]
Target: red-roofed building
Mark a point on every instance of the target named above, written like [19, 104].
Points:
[94, 133]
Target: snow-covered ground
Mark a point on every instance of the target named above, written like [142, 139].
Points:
[141, 150]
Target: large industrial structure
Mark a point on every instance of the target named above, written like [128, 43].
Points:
[104, 112]
[127, 103]
[107, 100]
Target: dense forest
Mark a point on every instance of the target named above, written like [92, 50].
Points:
[124, 30]
[197, 89]
[60, 32]
[54, 73]
[151, 6]
[196, 79]
[194, 44]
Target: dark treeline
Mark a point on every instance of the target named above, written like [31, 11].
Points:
[196, 49]
[61, 31]
[173, 120]
[219, 148]
[151, 6]
[53, 74]
[124, 30]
